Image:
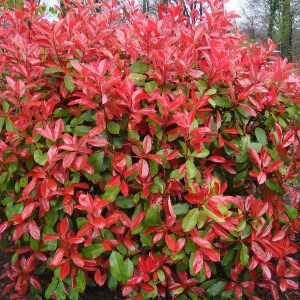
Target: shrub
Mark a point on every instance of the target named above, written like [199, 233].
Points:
[153, 153]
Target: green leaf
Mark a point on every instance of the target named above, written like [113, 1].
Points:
[241, 175]
[113, 127]
[256, 147]
[82, 130]
[2, 120]
[60, 291]
[247, 232]
[161, 275]
[9, 126]
[242, 156]
[40, 157]
[80, 221]
[228, 258]
[272, 185]
[216, 289]
[261, 136]
[112, 283]
[244, 256]
[117, 266]
[51, 217]
[150, 86]
[3, 177]
[51, 288]
[191, 168]
[208, 283]
[80, 281]
[202, 86]
[190, 220]
[204, 153]
[52, 70]
[158, 185]
[291, 211]
[152, 217]
[125, 202]
[14, 210]
[129, 269]
[213, 216]
[138, 79]
[93, 251]
[222, 102]
[111, 193]
[201, 219]
[5, 106]
[73, 294]
[180, 208]
[210, 92]
[69, 83]
[139, 67]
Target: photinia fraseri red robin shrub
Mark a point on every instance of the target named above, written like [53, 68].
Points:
[150, 153]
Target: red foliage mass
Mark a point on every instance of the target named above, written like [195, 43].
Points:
[149, 151]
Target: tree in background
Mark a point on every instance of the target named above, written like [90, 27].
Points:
[275, 19]
[286, 29]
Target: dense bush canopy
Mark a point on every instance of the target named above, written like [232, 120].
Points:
[153, 153]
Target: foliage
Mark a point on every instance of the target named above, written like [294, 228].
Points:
[152, 153]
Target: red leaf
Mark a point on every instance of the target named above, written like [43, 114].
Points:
[35, 282]
[201, 242]
[230, 130]
[147, 287]
[292, 284]
[68, 159]
[28, 210]
[85, 229]
[147, 144]
[63, 227]
[261, 178]
[258, 251]
[99, 222]
[143, 168]
[198, 262]
[65, 270]
[255, 157]
[279, 236]
[75, 240]
[171, 243]
[212, 254]
[274, 292]
[4, 226]
[77, 259]
[58, 256]
[127, 290]
[34, 230]
[217, 159]
[281, 267]
[115, 180]
[50, 237]
[58, 128]
[238, 292]
[137, 219]
[248, 109]
[100, 278]
[274, 166]
[124, 188]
